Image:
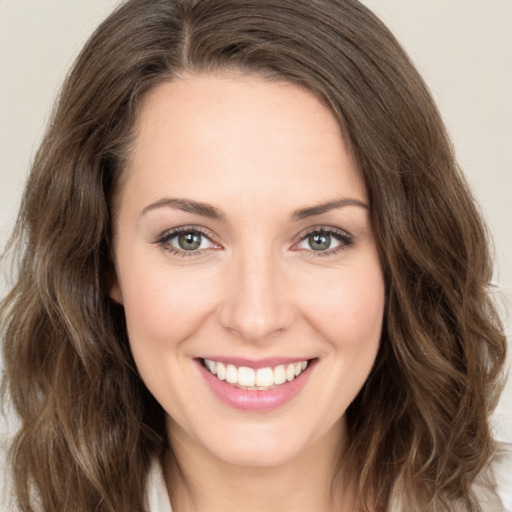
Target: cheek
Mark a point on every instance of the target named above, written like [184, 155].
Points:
[347, 307]
[347, 312]
[164, 307]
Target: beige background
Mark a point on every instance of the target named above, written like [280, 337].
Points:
[463, 48]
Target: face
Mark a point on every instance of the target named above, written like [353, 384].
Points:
[244, 248]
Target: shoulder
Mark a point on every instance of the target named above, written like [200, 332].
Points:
[502, 469]
[6, 497]
[157, 497]
[156, 492]
[496, 482]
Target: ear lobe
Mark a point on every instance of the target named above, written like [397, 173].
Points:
[114, 290]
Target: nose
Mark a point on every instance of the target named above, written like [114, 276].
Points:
[257, 303]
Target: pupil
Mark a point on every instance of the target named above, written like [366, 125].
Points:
[320, 241]
[189, 241]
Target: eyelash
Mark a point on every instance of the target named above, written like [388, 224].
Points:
[164, 239]
[345, 239]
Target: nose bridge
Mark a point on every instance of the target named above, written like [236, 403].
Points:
[256, 304]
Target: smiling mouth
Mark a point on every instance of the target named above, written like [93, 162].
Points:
[261, 379]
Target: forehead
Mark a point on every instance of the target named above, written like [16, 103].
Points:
[210, 135]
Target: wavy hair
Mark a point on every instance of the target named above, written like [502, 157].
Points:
[418, 430]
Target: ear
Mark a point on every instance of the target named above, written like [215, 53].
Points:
[114, 290]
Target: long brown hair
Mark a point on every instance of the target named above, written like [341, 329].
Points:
[419, 428]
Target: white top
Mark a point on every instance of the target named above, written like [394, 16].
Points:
[503, 476]
[158, 499]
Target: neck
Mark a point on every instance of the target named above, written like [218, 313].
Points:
[198, 481]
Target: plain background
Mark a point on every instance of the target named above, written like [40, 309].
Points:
[463, 49]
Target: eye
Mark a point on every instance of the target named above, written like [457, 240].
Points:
[324, 241]
[189, 241]
[186, 241]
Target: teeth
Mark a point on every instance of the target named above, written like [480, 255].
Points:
[221, 371]
[279, 374]
[247, 377]
[212, 367]
[231, 374]
[261, 379]
[265, 377]
[290, 372]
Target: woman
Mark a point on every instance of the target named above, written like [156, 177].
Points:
[251, 270]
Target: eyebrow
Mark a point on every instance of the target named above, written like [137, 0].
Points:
[304, 213]
[207, 210]
[187, 205]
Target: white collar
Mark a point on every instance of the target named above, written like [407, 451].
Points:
[502, 469]
[157, 496]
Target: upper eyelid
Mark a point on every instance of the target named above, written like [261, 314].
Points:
[170, 233]
[208, 232]
[320, 228]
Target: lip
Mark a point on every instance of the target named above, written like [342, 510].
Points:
[255, 364]
[256, 400]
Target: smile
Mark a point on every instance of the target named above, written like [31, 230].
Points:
[272, 385]
[260, 379]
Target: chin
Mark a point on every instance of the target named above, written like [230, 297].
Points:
[273, 442]
[258, 452]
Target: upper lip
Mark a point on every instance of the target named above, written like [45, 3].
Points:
[256, 363]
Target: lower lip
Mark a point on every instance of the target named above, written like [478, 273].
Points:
[255, 400]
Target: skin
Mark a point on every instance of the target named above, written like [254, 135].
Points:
[257, 151]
